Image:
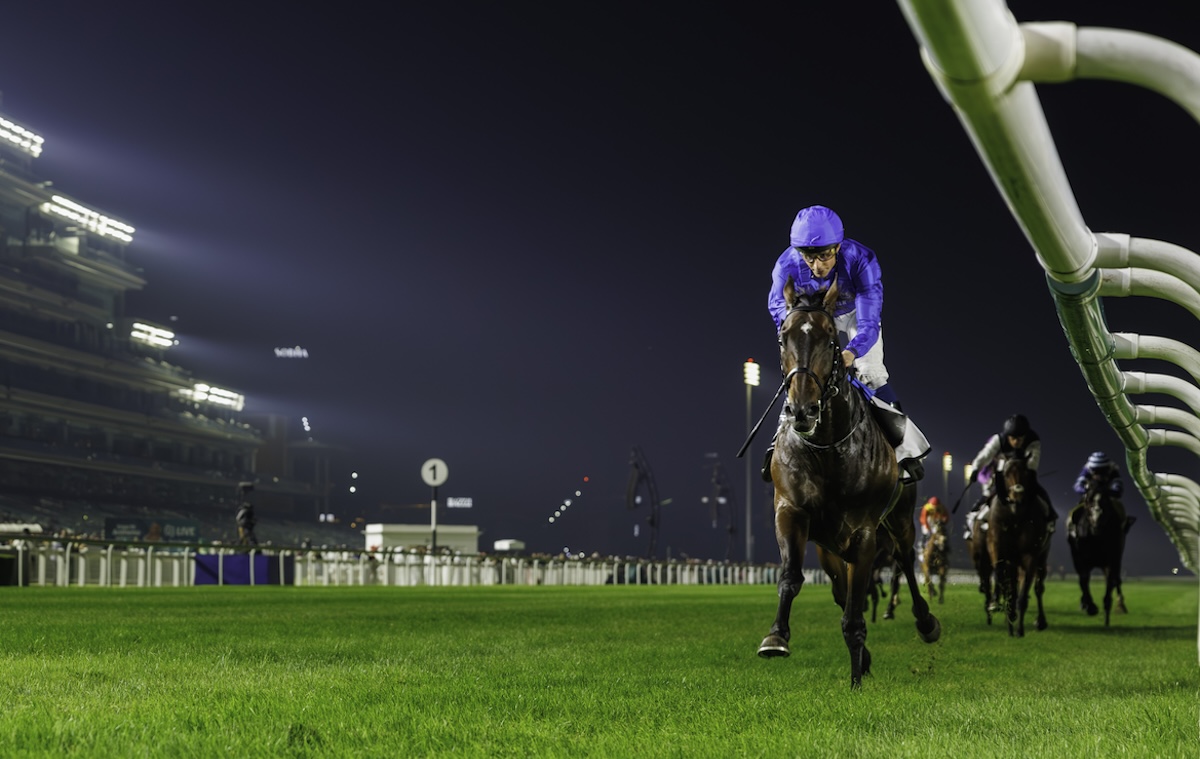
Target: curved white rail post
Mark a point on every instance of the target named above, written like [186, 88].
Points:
[985, 65]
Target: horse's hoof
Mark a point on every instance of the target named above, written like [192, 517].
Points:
[866, 661]
[1042, 624]
[889, 614]
[773, 645]
[933, 631]
[1092, 610]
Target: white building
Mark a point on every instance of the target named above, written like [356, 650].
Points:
[458, 538]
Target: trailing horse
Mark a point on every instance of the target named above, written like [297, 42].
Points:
[885, 558]
[836, 482]
[935, 560]
[1018, 543]
[1096, 535]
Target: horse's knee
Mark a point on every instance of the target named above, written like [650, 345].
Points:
[854, 628]
[789, 587]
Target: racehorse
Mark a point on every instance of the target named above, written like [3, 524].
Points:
[836, 482]
[935, 560]
[1096, 535]
[1018, 543]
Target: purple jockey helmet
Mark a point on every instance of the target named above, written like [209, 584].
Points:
[816, 227]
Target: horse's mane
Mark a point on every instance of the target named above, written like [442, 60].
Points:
[809, 301]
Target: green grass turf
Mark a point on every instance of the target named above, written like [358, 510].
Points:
[575, 672]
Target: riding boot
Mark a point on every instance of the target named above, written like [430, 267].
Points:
[911, 470]
[910, 452]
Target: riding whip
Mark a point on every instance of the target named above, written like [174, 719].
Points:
[782, 386]
[960, 497]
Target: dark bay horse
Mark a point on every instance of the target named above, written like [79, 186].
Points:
[836, 483]
[935, 560]
[1096, 536]
[1017, 542]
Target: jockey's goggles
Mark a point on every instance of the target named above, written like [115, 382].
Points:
[818, 253]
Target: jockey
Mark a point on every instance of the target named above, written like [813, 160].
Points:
[1016, 439]
[1100, 472]
[933, 513]
[819, 254]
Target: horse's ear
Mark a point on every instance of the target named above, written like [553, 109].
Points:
[831, 296]
[789, 291]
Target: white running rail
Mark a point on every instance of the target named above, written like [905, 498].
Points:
[986, 65]
[95, 563]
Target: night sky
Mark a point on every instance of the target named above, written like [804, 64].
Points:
[525, 238]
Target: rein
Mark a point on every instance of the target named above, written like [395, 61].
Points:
[787, 380]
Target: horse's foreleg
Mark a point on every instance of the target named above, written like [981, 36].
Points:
[928, 626]
[1109, 583]
[1085, 595]
[791, 533]
[1006, 588]
[1116, 583]
[1039, 587]
[1024, 584]
[854, 625]
[894, 601]
[985, 587]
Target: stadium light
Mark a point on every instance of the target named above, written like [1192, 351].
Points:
[22, 138]
[156, 336]
[750, 375]
[93, 221]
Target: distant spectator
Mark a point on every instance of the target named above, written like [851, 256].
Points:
[246, 520]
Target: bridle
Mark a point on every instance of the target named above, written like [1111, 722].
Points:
[1014, 494]
[829, 387]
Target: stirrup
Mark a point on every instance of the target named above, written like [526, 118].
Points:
[911, 470]
[766, 467]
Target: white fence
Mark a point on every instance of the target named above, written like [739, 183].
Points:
[46, 562]
[987, 66]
